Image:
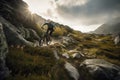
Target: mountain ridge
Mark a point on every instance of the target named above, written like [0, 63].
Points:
[110, 27]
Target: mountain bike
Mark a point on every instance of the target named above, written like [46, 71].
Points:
[45, 39]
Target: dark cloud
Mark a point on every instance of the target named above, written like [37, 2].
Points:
[93, 12]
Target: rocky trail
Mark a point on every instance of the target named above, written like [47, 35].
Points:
[72, 55]
[100, 69]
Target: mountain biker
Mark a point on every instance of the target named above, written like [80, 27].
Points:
[50, 27]
[48, 34]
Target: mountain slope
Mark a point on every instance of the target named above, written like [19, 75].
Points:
[110, 27]
[20, 31]
[21, 28]
[15, 15]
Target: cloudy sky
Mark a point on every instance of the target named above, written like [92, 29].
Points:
[83, 15]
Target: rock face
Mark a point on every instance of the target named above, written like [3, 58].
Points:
[28, 33]
[3, 51]
[33, 34]
[101, 69]
[12, 35]
[19, 24]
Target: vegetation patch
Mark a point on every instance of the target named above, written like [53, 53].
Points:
[30, 63]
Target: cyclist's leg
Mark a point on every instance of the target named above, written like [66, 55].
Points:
[51, 31]
[47, 32]
[48, 36]
[40, 41]
[44, 38]
[47, 39]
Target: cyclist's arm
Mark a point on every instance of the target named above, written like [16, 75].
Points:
[43, 25]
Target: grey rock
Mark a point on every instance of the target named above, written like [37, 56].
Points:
[4, 72]
[66, 55]
[28, 33]
[72, 71]
[101, 69]
[56, 54]
[76, 55]
[12, 35]
[67, 40]
[34, 34]
[36, 43]
[117, 40]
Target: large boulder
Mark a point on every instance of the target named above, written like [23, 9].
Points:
[72, 71]
[12, 34]
[101, 69]
[28, 33]
[64, 71]
[33, 34]
[4, 72]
